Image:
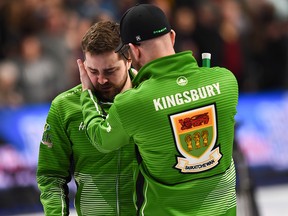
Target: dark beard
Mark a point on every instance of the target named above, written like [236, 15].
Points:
[116, 91]
[101, 97]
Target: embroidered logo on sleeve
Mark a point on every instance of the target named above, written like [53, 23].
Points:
[195, 133]
[182, 81]
[46, 137]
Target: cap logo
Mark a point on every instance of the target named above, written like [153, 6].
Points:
[138, 38]
[159, 31]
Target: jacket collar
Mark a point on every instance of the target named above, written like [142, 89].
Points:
[159, 67]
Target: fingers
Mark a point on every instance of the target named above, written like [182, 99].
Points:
[80, 67]
[134, 72]
[84, 78]
[81, 71]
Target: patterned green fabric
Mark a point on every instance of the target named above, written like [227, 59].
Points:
[104, 181]
[181, 117]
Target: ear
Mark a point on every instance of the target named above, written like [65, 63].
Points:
[135, 51]
[129, 63]
[172, 36]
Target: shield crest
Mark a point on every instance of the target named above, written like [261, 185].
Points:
[195, 134]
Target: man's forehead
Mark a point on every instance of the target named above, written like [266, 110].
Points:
[103, 61]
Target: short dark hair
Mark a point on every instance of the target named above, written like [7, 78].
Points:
[102, 37]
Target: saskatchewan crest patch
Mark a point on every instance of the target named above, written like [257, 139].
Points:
[195, 134]
[46, 137]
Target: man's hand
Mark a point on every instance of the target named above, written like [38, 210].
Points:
[84, 78]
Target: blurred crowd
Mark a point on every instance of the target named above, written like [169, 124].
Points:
[41, 40]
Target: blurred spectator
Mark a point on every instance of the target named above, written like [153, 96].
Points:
[52, 37]
[274, 55]
[123, 5]
[184, 24]
[165, 5]
[266, 49]
[17, 18]
[207, 35]
[231, 28]
[91, 9]
[248, 37]
[9, 79]
[2, 30]
[40, 76]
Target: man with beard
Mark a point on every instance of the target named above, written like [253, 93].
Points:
[104, 181]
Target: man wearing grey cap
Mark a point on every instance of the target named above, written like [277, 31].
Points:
[181, 117]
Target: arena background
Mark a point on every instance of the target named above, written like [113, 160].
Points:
[39, 45]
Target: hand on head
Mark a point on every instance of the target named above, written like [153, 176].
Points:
[84, 78]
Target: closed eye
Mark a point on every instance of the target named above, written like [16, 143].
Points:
[93, 71]
[110, 71]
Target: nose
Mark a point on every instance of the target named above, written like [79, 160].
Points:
[102, 79]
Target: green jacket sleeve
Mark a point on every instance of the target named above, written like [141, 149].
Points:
[53, 171]
[106, 133]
